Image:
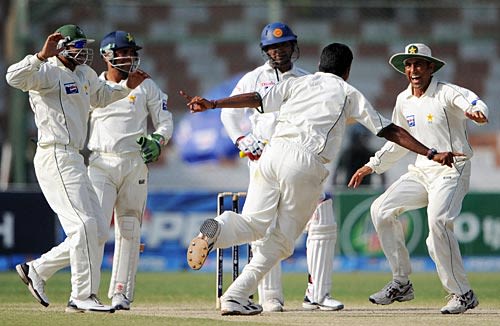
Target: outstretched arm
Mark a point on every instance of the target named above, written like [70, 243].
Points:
[245, 100]
[402, 137]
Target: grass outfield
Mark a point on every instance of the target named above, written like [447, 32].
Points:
[187, 298]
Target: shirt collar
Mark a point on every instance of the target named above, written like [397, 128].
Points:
[431, 90]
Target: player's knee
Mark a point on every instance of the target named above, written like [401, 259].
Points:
[378, 214]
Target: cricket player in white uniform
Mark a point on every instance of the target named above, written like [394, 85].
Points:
[121, 148]
[279, 44]
[435, 113]
[313, 112]
[62, 87]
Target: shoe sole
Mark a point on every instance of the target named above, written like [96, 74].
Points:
[26, 280]
[197, 253]
[311, 306]
[401, 299]
[327, 308]
[79, 310]
[238, 313]
[198, 249]
[120, 307]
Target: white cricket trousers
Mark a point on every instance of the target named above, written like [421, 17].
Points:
[62, 176]
[286, 187]
[121, 184]
[442, 190]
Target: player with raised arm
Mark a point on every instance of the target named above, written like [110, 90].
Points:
[121, 148]
[314, 110]
[62, 87]
[279, 44]
[435, 113]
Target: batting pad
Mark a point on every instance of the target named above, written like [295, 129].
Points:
[126, 256]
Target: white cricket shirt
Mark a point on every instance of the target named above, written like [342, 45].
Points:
[436, 119]
[314, 109]
[116, 127]
[258, 80]
[61, 98]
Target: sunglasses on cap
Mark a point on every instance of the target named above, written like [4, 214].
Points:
[80, 44]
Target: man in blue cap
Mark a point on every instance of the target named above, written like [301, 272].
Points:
[121, 149]
[61, 88]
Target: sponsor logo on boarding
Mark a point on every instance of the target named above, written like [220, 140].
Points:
[411, 120]
[71, 88]
[359, 238]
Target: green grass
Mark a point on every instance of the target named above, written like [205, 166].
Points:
[188, 298]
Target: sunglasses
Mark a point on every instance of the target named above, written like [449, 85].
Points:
[80, 44]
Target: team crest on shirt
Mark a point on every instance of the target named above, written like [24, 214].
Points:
[164, 105]
[71, 88]
[131, 99]
[430, 118]
[411, 120]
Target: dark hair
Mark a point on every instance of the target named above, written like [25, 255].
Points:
[336, 58]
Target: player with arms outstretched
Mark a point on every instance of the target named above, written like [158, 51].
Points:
[279, 45]
[434, 112]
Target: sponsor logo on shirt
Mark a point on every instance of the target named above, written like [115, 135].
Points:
[266, 85]
[164, 105]
[71, 88]
[474, 102]
[411, 120]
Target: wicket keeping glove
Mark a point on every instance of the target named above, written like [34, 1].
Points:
[250, 146]
[150, 147]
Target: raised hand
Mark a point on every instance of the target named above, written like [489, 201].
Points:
[50, 47]
[197, 103]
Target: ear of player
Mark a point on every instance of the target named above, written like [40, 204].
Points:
[150, 147]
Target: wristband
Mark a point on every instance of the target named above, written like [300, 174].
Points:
[431, 152]
[39, 57]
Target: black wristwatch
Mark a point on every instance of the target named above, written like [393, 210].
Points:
[431, 152]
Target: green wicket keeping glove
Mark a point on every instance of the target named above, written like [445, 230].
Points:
[150, 147]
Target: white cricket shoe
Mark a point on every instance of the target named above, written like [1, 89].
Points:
[230, 307]
[200, 247]
[327, 303]
[460, 303]
[272, 305]
[34, 282]
[393, 291]
[91, 304]
[120, 302]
